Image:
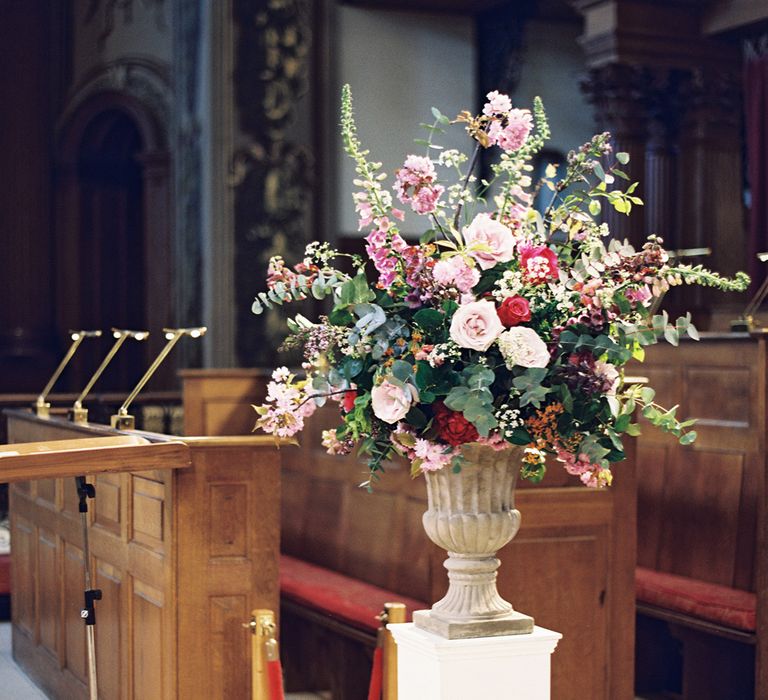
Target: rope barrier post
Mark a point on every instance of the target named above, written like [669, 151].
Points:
[394, 613]
[266, 673]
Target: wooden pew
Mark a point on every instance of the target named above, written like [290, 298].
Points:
[571, 565]
[702, 591]
[182, 557]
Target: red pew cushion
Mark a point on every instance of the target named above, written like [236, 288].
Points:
[729, 607]
[353, 601]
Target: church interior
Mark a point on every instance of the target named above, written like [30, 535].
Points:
[155, 154]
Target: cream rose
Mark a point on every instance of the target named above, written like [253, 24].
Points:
[391, 401]
[489, 241]
[522, 347]
[476, 325]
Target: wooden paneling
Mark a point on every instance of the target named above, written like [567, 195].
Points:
[147, 651]
[697, 504]
[72, 600]
[23, 575]
[218, 402]
[109, 641]
[701, 508]
[227, 613]
[182, 557]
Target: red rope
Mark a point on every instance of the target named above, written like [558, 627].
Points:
[275, 680]
[374, 689]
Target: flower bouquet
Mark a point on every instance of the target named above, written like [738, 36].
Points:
[507, 324]
[494, 342]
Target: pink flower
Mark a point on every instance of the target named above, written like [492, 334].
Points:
[512, 136]
[494, 441]
[433, 456]
[522, 347]
[425, 198]
[639, 296]
[538, 263]
[498, 103]
[488, 241]
[390, 402]
[476, 325]
[415, 184]
[455, 272]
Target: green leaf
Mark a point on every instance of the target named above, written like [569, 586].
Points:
[416, 417]
[594, 207]
[688, 438]
[622, 157]
[520, 436]
[428, 319]
[599, 171]
[402, 370]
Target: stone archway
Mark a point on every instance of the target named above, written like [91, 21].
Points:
[113, 252]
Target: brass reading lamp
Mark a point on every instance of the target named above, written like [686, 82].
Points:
[747, 321]
[678, 255]
[122, 420]
[79, 414]
[43, 407]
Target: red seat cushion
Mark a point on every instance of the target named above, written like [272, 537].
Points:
[729, 607]
[5, 574]
[356, 602]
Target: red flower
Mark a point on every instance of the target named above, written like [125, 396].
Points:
[513, 311]
[452, 427]
[348, 402]
[538, 263]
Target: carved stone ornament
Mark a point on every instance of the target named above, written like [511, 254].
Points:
[472, 515]
[145, 80]
[108, 9]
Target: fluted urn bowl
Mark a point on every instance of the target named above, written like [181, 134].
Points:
[471, 514]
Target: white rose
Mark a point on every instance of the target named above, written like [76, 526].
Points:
[489, 241]
[391, 402]
[476, 325]
[522, 347]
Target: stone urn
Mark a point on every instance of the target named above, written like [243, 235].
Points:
[471, 514]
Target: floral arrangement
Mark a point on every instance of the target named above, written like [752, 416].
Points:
[508, 323]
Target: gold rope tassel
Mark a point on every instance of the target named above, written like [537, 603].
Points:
[393, 613]
[265, 656]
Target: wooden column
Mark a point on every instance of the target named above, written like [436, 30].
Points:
[671, 99]
[615, 91]
[27, 345]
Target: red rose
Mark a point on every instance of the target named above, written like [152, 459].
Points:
[452, 427]
[538, 263]
[348, 402]
[513, 311]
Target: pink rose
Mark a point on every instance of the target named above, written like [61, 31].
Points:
[391, 401]
[476, 325]
[489, 241]
[538, 263]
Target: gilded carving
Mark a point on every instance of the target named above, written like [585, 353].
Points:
[272, 175]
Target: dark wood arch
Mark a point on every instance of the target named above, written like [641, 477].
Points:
[113, 246]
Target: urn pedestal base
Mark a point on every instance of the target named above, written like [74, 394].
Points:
[512, 623]
[487, 668]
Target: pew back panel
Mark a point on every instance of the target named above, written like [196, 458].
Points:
[701, 508]
[182, 559]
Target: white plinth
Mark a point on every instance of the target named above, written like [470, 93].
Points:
[512, 667]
